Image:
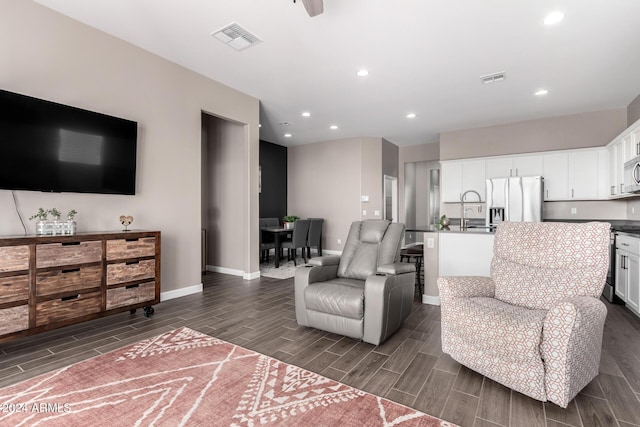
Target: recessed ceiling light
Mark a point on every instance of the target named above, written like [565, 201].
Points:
[362, 73]
[541, 92]
[287, 135]
[259, 125]
[411, 116]
[333, 127]
[554, 17]
[306, 114]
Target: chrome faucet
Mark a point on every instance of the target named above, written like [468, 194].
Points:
[463, 221]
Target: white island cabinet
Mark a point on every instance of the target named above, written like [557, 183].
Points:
[465, 253]
[454, 253]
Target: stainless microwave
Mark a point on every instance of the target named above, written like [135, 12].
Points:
[632, 175]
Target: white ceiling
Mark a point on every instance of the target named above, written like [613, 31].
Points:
[423, 56]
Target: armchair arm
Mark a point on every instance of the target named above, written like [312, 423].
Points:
[325, 260]
[465, 287]
[397, 268]
[388, 299]
[571, 346]
[307, 274]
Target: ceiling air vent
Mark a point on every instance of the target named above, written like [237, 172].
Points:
[493, 78]
[235, 36]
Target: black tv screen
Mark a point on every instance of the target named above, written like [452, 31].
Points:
[45, 146]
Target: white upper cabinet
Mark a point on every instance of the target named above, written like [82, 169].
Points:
[460, 176]
[582, 174]
[499, 167]
[528, 165]
[629, 146]
[556, 176]
[623, 148]
[576, 175]
[588, 174]
[451, 181]
[615, 170]
[511, 166]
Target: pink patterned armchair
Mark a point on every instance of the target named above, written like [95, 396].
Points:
[536, 324]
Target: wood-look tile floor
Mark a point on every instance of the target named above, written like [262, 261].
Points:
[409, 368]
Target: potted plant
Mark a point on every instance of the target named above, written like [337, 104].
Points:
[44, 226]
[41, 223]
[289, 220]
[70, 224]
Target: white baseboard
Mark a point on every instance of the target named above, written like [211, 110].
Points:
[182, 292]
[234, 272]
[224, 270]
[251, 276]
[428, 299]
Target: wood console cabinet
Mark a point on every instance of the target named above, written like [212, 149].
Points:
[51, 281]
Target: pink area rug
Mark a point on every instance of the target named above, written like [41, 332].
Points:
[186, 378]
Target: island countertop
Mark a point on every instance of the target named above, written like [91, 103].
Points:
[451, 229]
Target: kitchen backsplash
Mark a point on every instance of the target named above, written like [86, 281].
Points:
[605, 209]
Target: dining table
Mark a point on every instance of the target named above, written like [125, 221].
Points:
[277, 233]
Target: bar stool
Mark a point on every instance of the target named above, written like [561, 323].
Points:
[415, 254]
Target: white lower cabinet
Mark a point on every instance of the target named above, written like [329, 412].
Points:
[628, 271]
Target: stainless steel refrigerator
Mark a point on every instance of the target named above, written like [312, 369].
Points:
[514, 199]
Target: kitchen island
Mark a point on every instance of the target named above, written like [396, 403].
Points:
[454, 252]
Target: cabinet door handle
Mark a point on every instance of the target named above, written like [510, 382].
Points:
[517, 172]
[638, 149]
[131, 286]
[547, 194]
[133, 239]
[70, 297]
[621, 188]
[572, 193]
[70, 243]
[613, 190]
[510, 172]
[132, 262]
[70, 270]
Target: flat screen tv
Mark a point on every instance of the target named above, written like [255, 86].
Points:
[45, 146]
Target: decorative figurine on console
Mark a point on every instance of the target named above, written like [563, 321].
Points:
[126, 220]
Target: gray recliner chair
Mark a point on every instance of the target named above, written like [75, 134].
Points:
[365, 293]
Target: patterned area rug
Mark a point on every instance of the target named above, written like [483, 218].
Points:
[285, 271]
[185, 378]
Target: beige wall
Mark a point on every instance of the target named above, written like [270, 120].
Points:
[327, 180]
[633, 111]
[47, 55]
[371, 180]
[323, 180]
[593, 129]
[224, 204]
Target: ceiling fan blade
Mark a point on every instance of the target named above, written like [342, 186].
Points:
[314, 7]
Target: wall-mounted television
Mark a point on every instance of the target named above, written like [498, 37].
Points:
[46, 146]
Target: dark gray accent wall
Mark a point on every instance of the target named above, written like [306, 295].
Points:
[273, 165]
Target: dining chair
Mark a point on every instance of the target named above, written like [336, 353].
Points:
[315, 236]
[266, 242]
[298, 239]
